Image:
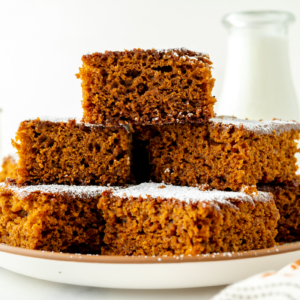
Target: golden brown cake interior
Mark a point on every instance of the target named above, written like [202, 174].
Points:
[66, 152]
[287, 199]
[149, 225]
[8, 170]
[51, 218]
[164, 220]
[146, 87]
[225, 154]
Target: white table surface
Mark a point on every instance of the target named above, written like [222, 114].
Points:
[14, 286]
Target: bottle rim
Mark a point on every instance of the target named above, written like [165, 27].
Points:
[257, 18]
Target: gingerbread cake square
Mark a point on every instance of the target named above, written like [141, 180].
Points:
[56, 218]
[66, 152]
[8, 168]
[287, 200]
[161, 219]
[147, 87]
[225, 153]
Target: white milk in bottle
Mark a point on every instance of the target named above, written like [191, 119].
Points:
[258, 82]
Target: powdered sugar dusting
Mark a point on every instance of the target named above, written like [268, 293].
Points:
[64, 120]
[155, 190]
[58, 120]
[175, 50]
[74, 191]
[261, 127]
[188, 194]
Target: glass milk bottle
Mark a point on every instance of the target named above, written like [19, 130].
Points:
[258, 82]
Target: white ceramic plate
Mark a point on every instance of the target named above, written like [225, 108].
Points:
[146, 272]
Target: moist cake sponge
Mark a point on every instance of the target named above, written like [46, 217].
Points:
[66, 152]
[148, 219]
[9, 166]
[51, 218]
[225, 153]
[160, 219]
[287, 199]
[146, 87]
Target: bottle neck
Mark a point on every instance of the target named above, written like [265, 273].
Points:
[274, 30]
[262, 23]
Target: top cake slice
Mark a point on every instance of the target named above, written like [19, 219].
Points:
[147, 87]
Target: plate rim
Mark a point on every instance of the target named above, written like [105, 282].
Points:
[94, 258]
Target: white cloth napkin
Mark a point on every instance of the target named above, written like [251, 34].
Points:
[281, 285]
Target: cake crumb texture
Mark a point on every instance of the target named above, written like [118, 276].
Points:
[162, 220]
[287, 199]
[50, 221]
[154, 225]
[73, 153]
[147, 87]
[223, 155]
[8, 170]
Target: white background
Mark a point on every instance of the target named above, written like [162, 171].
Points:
[41, 44]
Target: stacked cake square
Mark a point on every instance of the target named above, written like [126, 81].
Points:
[150, 170]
